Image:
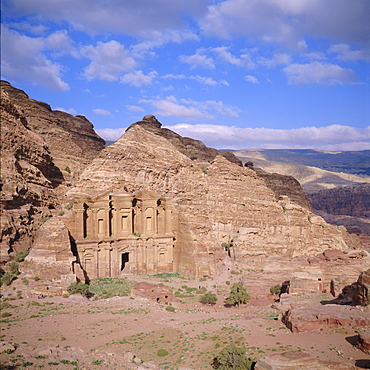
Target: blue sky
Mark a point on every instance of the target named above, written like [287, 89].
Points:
[232, 73]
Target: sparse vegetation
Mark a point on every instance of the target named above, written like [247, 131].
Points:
[79, 288]
[110, 287]
[170, 309]
[276, 289]
[233, 357]
[162, 352]
[208, 298]
[22, 255]
[67, 169]
[238, 295]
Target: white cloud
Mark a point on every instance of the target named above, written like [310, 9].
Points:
[190, 109]
[108, 60]
[288, 21]
[243, 61]
[136, 18]
[23, 57]
[70, 110]
[319, 73]
[277, 60]
[59, 40]
[110, 133]
[251, 79]
[101, 112]
[134, 108]
[198, 60]
[220, 136]
[344, 53]
[333, 137]
[160, 38]
[138, 78]
[171, 107]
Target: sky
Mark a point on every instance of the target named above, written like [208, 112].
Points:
[232, 73]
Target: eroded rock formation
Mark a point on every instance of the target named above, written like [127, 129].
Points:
[42, 154]
[212, 205]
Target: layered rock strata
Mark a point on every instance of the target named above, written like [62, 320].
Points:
[42, 154]
[220, 204]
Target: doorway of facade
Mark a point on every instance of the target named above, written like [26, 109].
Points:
[124, 260]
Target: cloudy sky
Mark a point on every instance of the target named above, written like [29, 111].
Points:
[233, 73]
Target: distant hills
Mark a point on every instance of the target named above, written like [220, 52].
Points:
[314, 169]
[353, 162]
[337, 183]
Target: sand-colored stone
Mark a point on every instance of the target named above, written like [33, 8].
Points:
[298, 360]
[219, 203]
[153, 292]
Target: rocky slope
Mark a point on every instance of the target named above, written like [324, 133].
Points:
[348, 200]
[43, 152]
[221, 202]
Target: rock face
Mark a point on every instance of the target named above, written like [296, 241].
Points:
[312, 318]
[298, 360]
[156, 293]
[220, 202]
[193, 149]
[347, 200]
[363, 342]
[51, 255]
[42, 152]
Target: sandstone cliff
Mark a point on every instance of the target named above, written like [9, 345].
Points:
[221, 202]
[42, 152]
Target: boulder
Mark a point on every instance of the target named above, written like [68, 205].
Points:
[298, 360]
[363, 342]
[300, 319]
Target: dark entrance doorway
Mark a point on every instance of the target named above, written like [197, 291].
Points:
[124, 260]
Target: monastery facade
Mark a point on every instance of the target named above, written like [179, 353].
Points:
[122, 233]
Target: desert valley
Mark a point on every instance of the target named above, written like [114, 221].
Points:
[158, 252]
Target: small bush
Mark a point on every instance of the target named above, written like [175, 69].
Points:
[232, 357]
[36, 278]
[238, 294]
[276, 289]
[6, 314]
[228, 282]
[67, 169]
[7, 278]
[14, 268]
[162, 352]
[22, 255]
[208, 298]
[79, 288]
[95, 362]
[170, 309]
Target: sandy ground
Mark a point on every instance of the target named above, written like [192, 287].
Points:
[66, 333]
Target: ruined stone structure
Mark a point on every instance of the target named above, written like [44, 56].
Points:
[121, 233]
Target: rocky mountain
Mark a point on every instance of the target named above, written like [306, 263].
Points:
[43, 153]
[220, 203]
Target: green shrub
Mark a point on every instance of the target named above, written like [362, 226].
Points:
[208, 298]
[6, 314]
[232, 357]
[14, 268]
[228, 282]
[110, 287]
[22, 255]
[201, 290]
[67, 169]
[162, 352]
[276, 289]
[79, 288]
[170, 309]
[238, 294]
[7, 278]
[36, 278]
